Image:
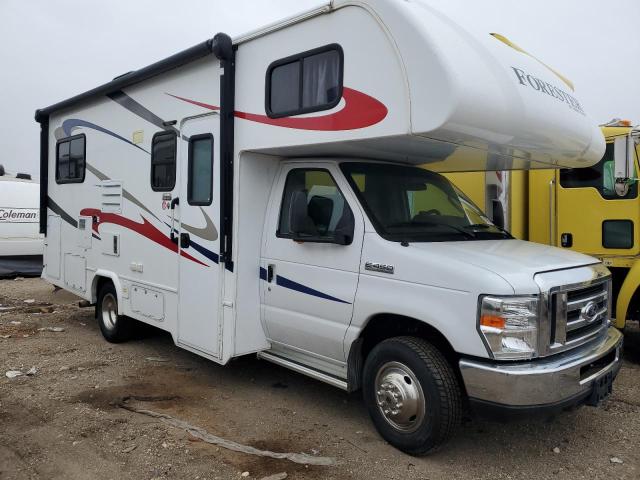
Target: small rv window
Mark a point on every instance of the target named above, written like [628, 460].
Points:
[163, 161]
[304, 83]
[200, 185]
[70, 159]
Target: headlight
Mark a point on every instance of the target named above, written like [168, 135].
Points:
[510, 326]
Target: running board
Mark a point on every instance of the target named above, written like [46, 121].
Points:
[310, 372]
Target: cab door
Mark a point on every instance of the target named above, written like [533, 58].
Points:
[591, 217]
[196, 220]
[310, 285]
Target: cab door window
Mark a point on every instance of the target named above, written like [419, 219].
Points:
[600, 176]
[313, 208]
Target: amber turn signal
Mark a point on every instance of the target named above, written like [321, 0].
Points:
[492, 321]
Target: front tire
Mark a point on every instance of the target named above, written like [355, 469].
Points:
[412, 394]
[115, 328]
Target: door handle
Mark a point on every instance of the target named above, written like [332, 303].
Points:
[185, 240]
[270, 270]
[172, 207]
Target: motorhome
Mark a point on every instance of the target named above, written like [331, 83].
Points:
[264, 195]
[591, 210]
[20, 241]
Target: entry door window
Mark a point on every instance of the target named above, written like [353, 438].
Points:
[200, 184]
[327, 211]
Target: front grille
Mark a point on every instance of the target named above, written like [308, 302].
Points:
[578, 315]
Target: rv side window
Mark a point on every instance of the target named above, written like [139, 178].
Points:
[303, 83]
[70, 159]
[163, 161]
[200, 184]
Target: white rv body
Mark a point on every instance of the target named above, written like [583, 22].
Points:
[20, 241]
[417, 89]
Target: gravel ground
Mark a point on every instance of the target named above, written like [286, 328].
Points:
[65, 421]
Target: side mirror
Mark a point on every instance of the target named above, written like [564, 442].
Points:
[623, 157]
[304, 229]
[299, 221]
[343, 234]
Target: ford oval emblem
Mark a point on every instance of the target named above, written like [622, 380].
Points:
[589, 312]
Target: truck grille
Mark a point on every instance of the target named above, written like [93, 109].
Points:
[578, 315]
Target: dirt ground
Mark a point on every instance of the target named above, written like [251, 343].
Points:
[66, 422]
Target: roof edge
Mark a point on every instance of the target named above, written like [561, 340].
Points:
[218, 45]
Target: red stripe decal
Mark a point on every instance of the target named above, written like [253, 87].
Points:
[145, 229]
[360, 111]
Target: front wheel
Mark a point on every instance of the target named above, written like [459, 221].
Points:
[412, 394]
[115, 328]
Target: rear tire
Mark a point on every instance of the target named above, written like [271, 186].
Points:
[412, 394]
[115, 328]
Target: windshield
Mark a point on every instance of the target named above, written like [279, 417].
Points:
[415, 205]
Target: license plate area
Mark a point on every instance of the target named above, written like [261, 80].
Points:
[602, 388]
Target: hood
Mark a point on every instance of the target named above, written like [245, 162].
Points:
[516, 261]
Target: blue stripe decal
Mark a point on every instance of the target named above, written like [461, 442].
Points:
[71, 123]
[263, 273]
[214, 257]
[286, 283]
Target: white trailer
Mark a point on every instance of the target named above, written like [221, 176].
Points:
[20, 241]
[268, 195]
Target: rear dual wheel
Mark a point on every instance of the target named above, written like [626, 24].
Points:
[412, 394]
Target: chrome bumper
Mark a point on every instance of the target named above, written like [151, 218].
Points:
[544, 381]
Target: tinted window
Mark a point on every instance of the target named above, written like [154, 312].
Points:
[285, 88]
[326, 211]
[304, 83]
[617, 234]
[600, 176]
[163, 161]
[200, 186]
[321, 79]
[70, 160]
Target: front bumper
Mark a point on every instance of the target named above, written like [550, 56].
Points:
[557, 382]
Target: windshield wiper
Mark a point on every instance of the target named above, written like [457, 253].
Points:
[434, 224]
[486, 226]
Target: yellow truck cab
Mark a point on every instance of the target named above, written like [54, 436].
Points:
[593, 210]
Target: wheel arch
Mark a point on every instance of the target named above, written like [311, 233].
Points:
[628, 295]
[102, 276]
[382, 326]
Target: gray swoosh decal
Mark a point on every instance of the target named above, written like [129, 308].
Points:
[134, 107]
[143, 112]
[55, 208]
[209, 232]
[125, 193]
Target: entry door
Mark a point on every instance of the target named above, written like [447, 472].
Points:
[310, 287]
[198, 218]
[591, 217]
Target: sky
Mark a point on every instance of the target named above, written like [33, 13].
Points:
[52, 50]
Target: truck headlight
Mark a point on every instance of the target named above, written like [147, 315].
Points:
[510, 326]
